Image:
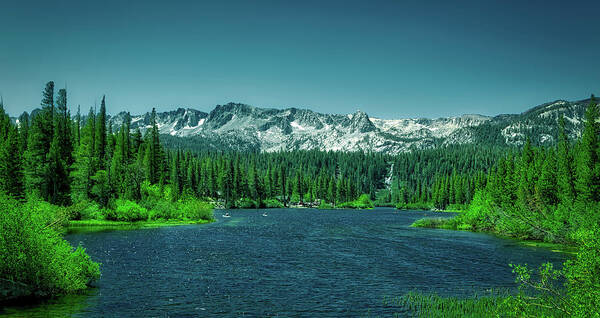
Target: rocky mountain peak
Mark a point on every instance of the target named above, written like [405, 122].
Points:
[361, 122]
[236, 126]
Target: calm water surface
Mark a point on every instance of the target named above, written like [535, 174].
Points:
[290, 263]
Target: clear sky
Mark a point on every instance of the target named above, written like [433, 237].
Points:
[392, 59]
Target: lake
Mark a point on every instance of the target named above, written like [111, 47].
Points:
[293, 262]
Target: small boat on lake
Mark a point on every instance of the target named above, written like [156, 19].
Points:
[226, 215]
[264, 214]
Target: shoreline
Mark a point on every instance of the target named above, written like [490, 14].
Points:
[437, 223]
[93, 225]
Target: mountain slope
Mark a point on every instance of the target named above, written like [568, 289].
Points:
[243, 127]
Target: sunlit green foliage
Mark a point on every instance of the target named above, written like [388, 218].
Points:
[126, 210]
[363, 202]
[34, 259]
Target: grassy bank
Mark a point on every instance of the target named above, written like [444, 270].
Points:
[104, 224]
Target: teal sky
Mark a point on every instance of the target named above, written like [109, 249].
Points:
[391, 59]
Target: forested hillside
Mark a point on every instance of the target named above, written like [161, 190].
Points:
[87, 160]
[541, 193]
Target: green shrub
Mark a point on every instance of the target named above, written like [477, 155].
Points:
[479, 215]
[428, 223]
[126, 210]
[439, 223]
[190, 209]
[34, 259]
[363, 202]
[196, 210]
[85, 210]
[583, 274]
[272, 204]
[162, 210]
[151, 192]
[93, 212]
[246, 203]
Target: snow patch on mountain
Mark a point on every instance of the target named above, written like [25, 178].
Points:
[240, 126]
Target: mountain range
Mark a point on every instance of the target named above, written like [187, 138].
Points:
[243, 127]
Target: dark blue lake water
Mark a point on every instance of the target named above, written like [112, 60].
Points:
[290, 263]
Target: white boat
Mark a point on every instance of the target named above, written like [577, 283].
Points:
[264, 214]
[226, 215]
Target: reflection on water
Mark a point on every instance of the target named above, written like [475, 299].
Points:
[66, 306]
[290, 263]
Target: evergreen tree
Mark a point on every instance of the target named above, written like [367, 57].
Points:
[11, 173]
[39, 138]
[23, 132]
[546, 188]
[77, 127]
[587, 182]
[100, 136]
[85, 161]
[119, 163]
[566, 192]
[153, 156]
[5, 124]
[60, 154]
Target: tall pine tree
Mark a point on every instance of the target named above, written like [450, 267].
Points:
[587, 182]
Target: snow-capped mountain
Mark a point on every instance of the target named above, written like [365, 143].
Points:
[243, 127]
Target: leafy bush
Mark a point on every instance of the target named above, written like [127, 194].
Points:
[272, 203]
[126, 210]
[190, 209]
[363, 202]
[163, 210]
[583, 274]
[246, 203]
[480, 214]
[196, 210]
[151, 192]
[85, 210]
[34, 259]
[430, 223]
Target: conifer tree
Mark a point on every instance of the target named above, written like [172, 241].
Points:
[587, 182]
[153, 155]
[564, 166]
[23, 132]
[60, 154]
[11, 172]
[5, 124]
[77, 128]
[85, 161]
[119, 162]
[546, 188]
[39, 138]
[100, 136]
